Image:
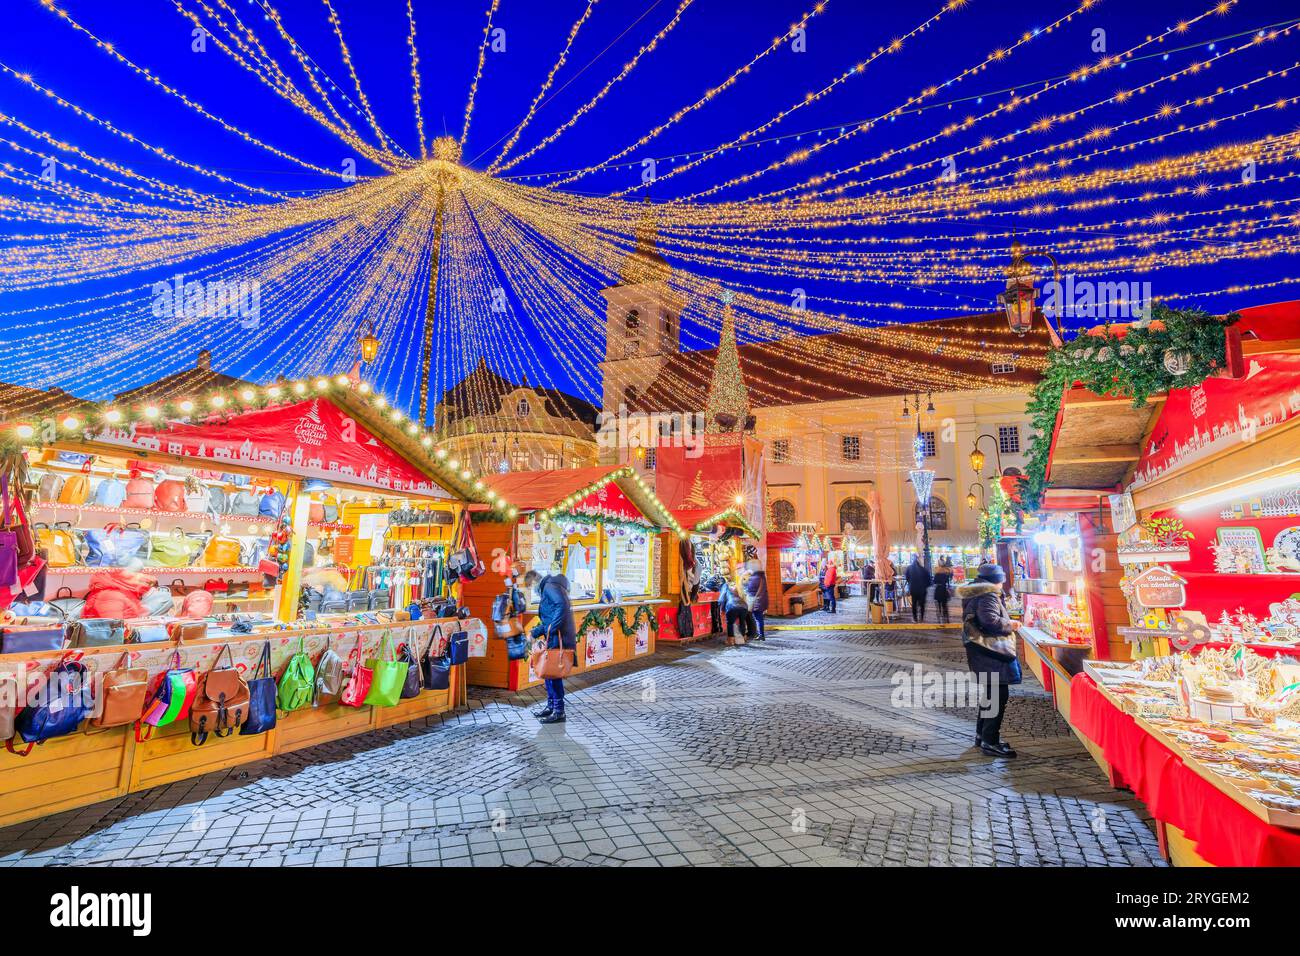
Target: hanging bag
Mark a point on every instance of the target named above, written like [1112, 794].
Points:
[411, 685]
[58, 543]
[261, 693]
[297, 682]
[389, 675]
[170, 699]
[329, 677]
[552, 663]
[357, 682]
[10, 704]
[122, 694]
[221, 702]
[9, 543]
[435, 667]
[60, 702]
[458, 647]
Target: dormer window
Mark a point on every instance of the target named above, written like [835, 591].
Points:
[632, 323]
[522, 408]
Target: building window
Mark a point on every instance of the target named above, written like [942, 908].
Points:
[631, 348]
[650, 458]
[854, 515]
[1009, 439]
[632, 323]
[851, 448]
[522, 408]
[666, 322]
[551, 461]
[520, 461]
[1004, 368]
[938, 514]
[783, 514]
[928, 448]
[781, 451]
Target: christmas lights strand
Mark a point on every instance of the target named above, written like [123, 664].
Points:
[478, 72]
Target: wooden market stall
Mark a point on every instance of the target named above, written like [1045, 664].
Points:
[713, 543]
[793, 560]
[600, 527]
[259, 518]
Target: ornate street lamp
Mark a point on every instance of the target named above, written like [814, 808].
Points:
[977, 458]
[1020, 296]
[368, 342]
[971, 501]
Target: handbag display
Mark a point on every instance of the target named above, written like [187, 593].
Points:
[435, 667]
[552, 663]
[388, 675]
[170, 699]
[411, 685]
[223, 552]
[96, 632]
[139, 494]
[356, 684]
[121, 695]
[75, 490]
[115, 546]
[261, 696]
[60, 703]
[329, 677]
[221, 701]
[297, 683]
[58, 543]
[458, 647]
[31, 638]
[67, 605]
[109, 493]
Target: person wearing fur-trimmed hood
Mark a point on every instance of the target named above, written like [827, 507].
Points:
[989, 635]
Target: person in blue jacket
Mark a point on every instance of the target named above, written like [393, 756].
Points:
[556, 622]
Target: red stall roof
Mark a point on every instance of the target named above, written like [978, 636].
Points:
[609, 488]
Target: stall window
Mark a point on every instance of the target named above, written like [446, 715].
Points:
[783, 514]
[851, 447]
[548, 547]
[1009, 439]
[854, 515]
[781, 451]
[627, 562]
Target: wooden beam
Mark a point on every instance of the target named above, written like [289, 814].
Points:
[1094, 454]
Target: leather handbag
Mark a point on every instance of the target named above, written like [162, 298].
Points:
[75, 490]
[435, 667]
[458, 647]
[356, 684]
[175, 550]
[61, 702]
[109, 493]
[115, 546]
[157, 602]
[388, 675]
[516, 647]
[139, 494]
[271, 505]
[221, 702]
[261, 695]
[146, 632]
[297, 683]
[31, 638]
[169, 495]
[244, 504]
[170, 698]
[552, 663]
[411, 685]
[217, 501]
[47, 490]
[67, 605]
[196, 496]
[10, 545]
[121, 695]
[96, 632]
[329, 677]
[182, 631]
[10, 704]
[222, 552]
[58, 543]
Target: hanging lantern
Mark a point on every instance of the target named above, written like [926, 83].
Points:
[1018, 300]
[368, 342]
[971, 501]
[977, 461]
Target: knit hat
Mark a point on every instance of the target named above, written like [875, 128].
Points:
[992, 573]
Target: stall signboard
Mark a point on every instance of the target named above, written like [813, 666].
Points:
[313, 438]
[1122, 513]
[641, 639]
[668, 623]
[1159, 587]
[727, 471]
[600, 646]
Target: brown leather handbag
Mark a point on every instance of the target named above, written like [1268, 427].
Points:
[220, 702]
[552, 663]
[122, 694]
[182, 631]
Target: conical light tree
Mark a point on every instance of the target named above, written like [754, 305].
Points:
[727, 407]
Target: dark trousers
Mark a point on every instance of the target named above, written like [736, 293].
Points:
[741, 616]
[918, 607]
[828, 596]
[989, 729]
[941, 606]
[759, 626]
[555, 693]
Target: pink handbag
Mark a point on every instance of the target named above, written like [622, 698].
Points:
[359, 679]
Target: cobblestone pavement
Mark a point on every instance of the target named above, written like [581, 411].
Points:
[787, 752]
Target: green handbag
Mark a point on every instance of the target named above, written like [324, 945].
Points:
[389, 675]
[175, 550]
[297, 682]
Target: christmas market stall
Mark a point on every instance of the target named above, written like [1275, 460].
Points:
[1193, 699]
[601, 528]
[274, 542]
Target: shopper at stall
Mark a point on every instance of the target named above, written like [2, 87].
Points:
[829, 582]
[756, 588]
[942, 587]
[555, 612]
[735, 612]
[989, 635]
[918, 582]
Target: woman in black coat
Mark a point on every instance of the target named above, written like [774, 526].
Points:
[989, 635]
[555, 623]
[942, 588]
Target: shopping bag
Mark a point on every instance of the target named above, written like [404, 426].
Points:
[358, 678]
[261, 696]
[297, 683]
[388, 675]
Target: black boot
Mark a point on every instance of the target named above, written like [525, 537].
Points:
[543, 713]
[999, 749]
[554, 717]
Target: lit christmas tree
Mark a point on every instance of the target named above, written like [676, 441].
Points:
[727, 407]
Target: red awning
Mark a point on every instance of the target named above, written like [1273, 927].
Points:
[541, 490]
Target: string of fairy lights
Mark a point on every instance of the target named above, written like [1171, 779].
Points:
[817, 261]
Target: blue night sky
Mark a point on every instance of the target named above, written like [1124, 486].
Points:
[712, 39]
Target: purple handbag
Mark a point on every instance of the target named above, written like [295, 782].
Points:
[31, 639]
[8, 541]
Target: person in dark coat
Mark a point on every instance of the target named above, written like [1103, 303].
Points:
[989, 635]
[735, 611]
[756, 588]
[555, 611]
[943, 587]
[830, 579]
[918, 582]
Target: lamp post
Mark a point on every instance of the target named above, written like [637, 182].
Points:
[977, 458]
[973, 502]
[367, 342]
[923, 484]
[1018, 299]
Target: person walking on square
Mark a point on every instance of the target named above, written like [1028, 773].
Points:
[830, 580]
[989, 635]
[918, 582]
[943, 587]
[555, 613]
[756, 588]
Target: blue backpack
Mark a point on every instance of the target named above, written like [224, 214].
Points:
[110, 493]
[272, 505]
[58, 708]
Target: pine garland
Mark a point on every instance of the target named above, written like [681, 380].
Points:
[1133, 366]
[598, 620]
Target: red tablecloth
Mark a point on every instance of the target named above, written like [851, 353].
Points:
[1225, 832]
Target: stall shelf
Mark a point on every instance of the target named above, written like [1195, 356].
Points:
[601, 527]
